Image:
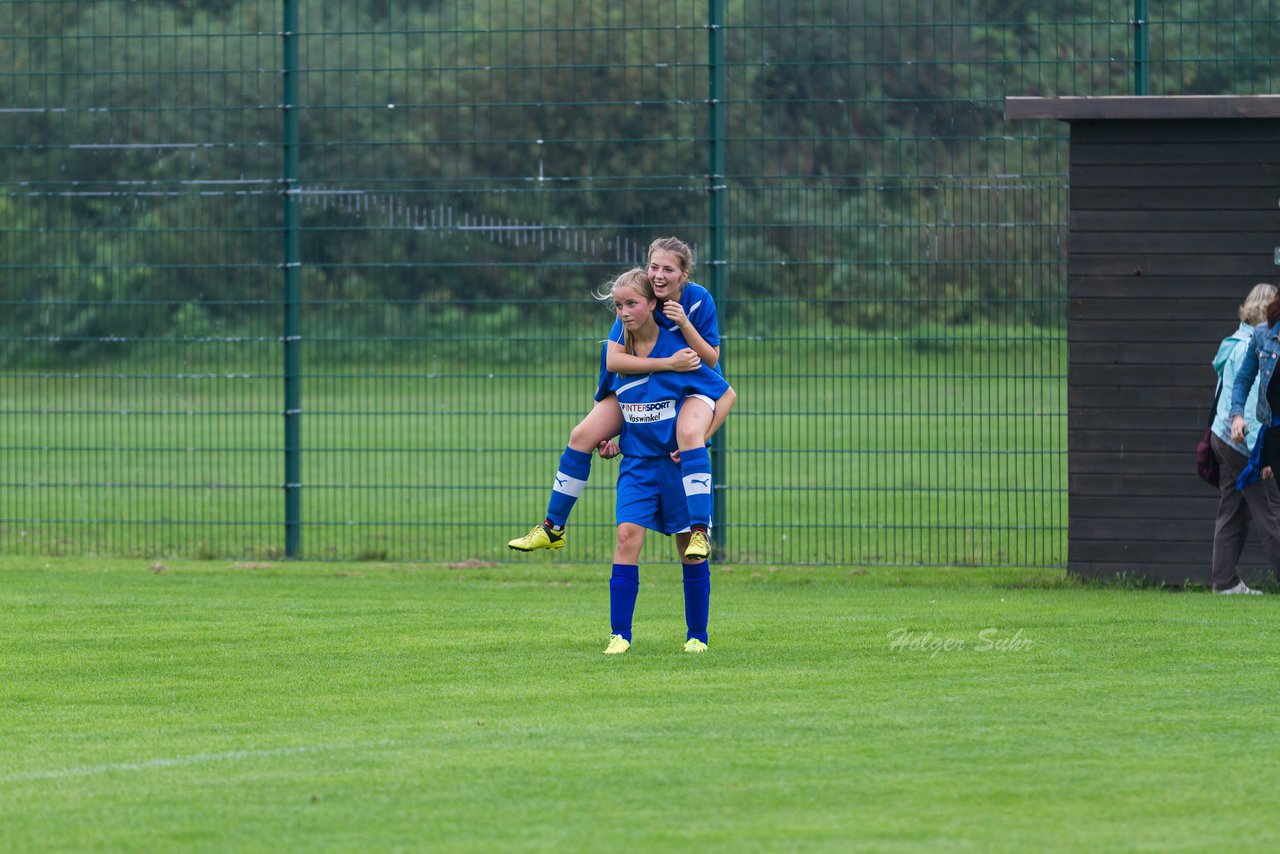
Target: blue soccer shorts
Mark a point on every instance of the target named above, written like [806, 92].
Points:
[651, 494]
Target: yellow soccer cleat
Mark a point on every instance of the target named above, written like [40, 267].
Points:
[698, 547]
[617, 645]
[694, 645]
[541, 537]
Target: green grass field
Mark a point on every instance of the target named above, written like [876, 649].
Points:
[210, 706]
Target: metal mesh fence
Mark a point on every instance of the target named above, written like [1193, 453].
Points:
[315, 279]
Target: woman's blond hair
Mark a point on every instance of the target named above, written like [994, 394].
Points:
[1254, 308]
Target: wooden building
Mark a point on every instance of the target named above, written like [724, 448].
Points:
[1174, 216]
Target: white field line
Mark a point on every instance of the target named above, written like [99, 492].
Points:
[180, 761]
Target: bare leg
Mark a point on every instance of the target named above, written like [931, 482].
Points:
[692, 424]
[603, 422]
[630, 542]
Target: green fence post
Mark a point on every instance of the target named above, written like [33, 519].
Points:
[716, 263]
[292, 292]
[1141, 49]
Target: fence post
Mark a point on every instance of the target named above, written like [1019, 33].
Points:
[1141, 49]
[292, 291]
[716, 262]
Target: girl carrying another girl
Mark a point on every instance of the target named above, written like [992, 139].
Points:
[684, 307]
[653, 490]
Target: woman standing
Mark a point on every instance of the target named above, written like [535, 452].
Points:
[1258, 500]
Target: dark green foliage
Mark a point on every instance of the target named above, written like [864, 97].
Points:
[460, 158]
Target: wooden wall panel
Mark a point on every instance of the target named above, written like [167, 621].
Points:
[1172, 288]
[1171, 223]
[1188, 196]
[1209, 220]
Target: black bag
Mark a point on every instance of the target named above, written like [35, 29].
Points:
[1206, 459]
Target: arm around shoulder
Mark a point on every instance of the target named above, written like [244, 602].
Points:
[619, 361]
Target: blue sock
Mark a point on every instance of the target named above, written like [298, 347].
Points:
[624, 584]
[575, 466]
[697, 597]
[695, 470]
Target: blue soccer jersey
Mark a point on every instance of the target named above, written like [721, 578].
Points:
[698, 306]
[650, 402]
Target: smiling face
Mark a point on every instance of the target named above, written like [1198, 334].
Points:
[667, 274]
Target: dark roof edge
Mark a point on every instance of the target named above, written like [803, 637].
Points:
[1069, 108]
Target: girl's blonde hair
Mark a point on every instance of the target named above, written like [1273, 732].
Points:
[1254, 308]
[638, 281]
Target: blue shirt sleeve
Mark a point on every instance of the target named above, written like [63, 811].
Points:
[701, 309]
[703, 381]
[604, 385]
[1247, 373]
